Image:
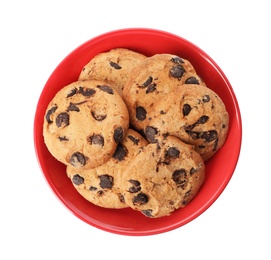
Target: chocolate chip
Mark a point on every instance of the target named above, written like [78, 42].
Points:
[96, 139]
[115, 65]
[151, 88]
[147, 212]
[62, 119]
[63, 138]
[141, 113]
[74, 106]
[136, 186]
[77, 179]
[172, 152]
[192, 171]
[186, 109]
[147, 82]
[98, 116]
[180, 178]
[86, 92]
[72, 92]
[106, 181]
[133, 139]
[203, 120]
[177, 60]
[209, 136]
[106, 89]
[49, 113]
[177, 71]
[150, 133]
[206, 99]
[140, 199]
[120, 152]
[118, 134]
[192, 80]
[92, 188]
[78, 159]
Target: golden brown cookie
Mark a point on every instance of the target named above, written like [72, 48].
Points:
[193, 113]
[113, 67]
[152, 80]
[102, 185]
[164, 177]
[84, 123]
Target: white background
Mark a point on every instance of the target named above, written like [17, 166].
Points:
[37, 35]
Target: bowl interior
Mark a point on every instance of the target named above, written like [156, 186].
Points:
[219, 168]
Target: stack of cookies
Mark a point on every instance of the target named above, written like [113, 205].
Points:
[136, 131]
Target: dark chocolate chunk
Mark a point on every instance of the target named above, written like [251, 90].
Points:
[203, 120]
[136, 186]
[72, 92]
[151, 88]
[78, 159]
[106, 181]
[140, 199]
[62, 119]
[73, 107]
[86, 92]
[177, 60]
[115, 65]
[206, 98]
[106, 89]
[98, 116]
[49, 113]
[209, 136]
[63, 138]
[118, 134]
[186, 109]
[120, 152]
[177, 71]
[133, 139]
[192, 80]
[180, 178]
[96, 139]
[172, 152]
[147, 82]
[150, 133]
[141, 113]
[77, 179]
[147, 212]
[92, 188]
[192, 171]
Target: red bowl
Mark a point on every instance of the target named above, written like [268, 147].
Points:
[219, 169]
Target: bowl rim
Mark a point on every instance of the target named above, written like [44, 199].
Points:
[140, 31]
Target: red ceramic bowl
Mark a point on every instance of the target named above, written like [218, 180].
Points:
[219, 169]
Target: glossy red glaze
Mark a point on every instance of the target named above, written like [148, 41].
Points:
[219, 169]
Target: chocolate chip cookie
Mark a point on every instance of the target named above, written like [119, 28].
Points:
[84, 123]
[113, 67]
[151, 80]
[102, 185]
[193, 113]
[164, 177]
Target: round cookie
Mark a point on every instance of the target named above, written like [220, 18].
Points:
[102, 185]
[193, 113]
[164, 177]
[113, 67]
[153, 79]
[84, 123]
